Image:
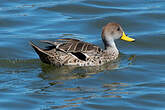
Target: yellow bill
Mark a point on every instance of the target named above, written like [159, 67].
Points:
[126, 38]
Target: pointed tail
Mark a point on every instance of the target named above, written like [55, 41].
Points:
[44, 56]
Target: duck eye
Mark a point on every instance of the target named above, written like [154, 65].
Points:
[118, 29]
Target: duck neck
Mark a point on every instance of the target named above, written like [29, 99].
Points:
[110, 47]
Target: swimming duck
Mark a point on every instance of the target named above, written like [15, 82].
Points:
[68, 51]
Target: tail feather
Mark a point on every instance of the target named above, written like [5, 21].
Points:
[41, 53]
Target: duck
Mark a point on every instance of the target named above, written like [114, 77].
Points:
[70, 51]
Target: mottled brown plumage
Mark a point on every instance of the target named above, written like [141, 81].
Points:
[69, 51]
[73, 45]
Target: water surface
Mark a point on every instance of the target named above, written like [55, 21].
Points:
[135, 81]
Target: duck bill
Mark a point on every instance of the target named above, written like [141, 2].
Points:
[126, 38]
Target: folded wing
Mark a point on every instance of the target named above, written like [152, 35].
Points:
[73, 46]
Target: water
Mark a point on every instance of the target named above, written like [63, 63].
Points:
[135, 81]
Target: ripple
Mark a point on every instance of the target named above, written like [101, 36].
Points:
[134, 81]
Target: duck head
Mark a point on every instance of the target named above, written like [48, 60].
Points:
[111, 32]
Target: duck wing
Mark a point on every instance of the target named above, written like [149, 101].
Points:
[80, 49]
[70, 45]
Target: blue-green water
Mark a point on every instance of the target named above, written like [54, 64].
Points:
[134, 82]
